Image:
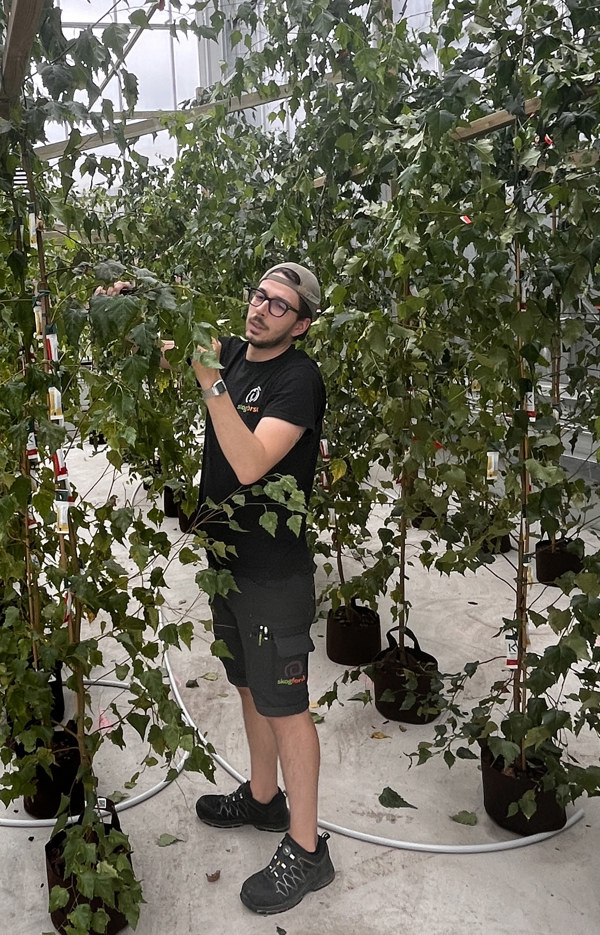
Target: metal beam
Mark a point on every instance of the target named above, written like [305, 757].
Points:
[23, 21]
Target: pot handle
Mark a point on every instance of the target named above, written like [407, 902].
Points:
[107, 805]
[104, 805]
[392, 641]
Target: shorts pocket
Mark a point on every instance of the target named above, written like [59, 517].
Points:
[290, 644]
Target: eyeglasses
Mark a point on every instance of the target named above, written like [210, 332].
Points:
[277, 307]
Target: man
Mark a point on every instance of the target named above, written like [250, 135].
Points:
[264, 415]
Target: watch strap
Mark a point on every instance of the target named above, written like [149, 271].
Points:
[217, 389]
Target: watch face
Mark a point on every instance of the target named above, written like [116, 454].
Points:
[217, 389]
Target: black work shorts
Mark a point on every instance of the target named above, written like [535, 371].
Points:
[266, 626]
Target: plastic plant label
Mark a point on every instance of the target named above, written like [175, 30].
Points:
[55, 410]
[60, 465]
[512, 650]
[324, 480]
[32, 226]
[61, 507]
[493, 463]
[32, 518]
[38, 316]
[51, 345]
[32, 448]
[332, 517]
[529, 405]
[324, 446]
[68, 606]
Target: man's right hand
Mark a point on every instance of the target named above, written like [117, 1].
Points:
[116, 288]
[165, 346]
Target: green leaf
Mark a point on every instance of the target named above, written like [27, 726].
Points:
[465, 753]
[390, 799]
[59, 897]
[109, 271]
[138, 18]
[268, 521]
[345, 142]
[165, 840]
[465, 818]
[139, 722]
[219, 648]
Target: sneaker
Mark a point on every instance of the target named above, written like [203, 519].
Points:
[292, 873]
[240, 808]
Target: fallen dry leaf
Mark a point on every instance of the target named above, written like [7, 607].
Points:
[377, 735]
[213, 877]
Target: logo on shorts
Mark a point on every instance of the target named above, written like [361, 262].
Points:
[294, 672]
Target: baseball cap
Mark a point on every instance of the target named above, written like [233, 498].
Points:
[303, 282]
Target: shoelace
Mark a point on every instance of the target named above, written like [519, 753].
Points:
[232, 800]
[287, 872]
[278, 861]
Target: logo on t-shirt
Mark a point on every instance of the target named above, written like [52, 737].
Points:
[251, 398]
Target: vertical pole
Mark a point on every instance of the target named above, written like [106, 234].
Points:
[520, 674]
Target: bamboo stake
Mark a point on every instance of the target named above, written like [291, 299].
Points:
[520, 673]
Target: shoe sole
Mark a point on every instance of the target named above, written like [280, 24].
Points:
[273, 910]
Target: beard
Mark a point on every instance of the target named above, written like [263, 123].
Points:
[263, 343]
[263, 340]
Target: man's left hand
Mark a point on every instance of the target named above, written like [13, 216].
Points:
[206, 376]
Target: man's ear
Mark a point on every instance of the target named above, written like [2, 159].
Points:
[301, 327]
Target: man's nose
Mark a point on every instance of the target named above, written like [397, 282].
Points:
[263, 308]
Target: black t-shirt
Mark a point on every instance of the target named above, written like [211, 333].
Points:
[288, 387]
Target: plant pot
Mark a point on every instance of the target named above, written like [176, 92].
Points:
[55, 684]
[187, 523]
[169, 504]
[404, 679]
[96, 439]
[57, 712]
[61, 780]
[553, 559]
[353, 634]
[496, 545]
[55, 873]
[503, 787]
[425, 514]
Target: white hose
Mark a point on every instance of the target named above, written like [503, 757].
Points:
[376, 839]
[126, 803]
[326, 825]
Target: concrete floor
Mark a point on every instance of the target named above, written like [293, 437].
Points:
[402, 885]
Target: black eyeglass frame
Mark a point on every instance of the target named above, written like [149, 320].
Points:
[251, 291]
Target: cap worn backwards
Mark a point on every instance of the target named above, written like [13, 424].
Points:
[301, 280]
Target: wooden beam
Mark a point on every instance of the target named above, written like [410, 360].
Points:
[155, 124]
[23, 21]
[150, 125]
[496, 121]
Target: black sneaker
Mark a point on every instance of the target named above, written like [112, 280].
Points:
[240, 808]
[292, 873]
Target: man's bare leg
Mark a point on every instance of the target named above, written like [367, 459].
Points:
[263, 750]
[294, 738]
[299, 755]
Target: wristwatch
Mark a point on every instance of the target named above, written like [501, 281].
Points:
[217, 389]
